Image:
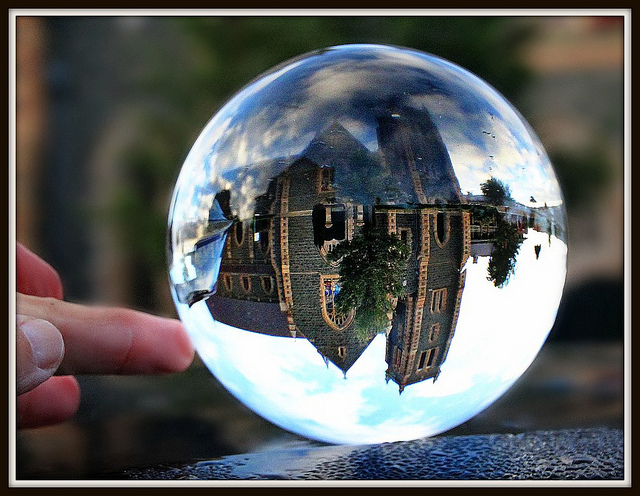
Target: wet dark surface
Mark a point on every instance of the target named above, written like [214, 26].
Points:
[585, 454]
[127, 424]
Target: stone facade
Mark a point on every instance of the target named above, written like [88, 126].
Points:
[279, 257]
[425, 319]
[304, 282]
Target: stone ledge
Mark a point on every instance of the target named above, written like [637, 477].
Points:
[582, 454]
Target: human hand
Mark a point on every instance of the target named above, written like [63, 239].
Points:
[58, 337]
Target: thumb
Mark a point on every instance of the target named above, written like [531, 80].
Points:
[39, 352]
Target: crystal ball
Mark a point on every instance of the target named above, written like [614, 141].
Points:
[367, 244]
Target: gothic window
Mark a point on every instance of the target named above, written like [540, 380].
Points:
[397, 357]
[267, 284]
[359, 214]
[262, 227]
[406, 236]
[434, 332]
[329, 227]
[245, 282]
[442, 228]
[227, 281]
[438, 300]
[264, 241]
[325, 182]
[342, 351]
[318, 219]
[423, 357]
[330, 287]
[431, 357]
[239, 232]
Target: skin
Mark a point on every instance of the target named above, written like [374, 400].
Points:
[96, 340]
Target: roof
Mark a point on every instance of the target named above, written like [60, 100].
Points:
[256, 316]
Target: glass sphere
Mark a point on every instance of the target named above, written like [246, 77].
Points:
[367, 244]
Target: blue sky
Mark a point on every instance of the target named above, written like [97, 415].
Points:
[499, 333]
[280, 113]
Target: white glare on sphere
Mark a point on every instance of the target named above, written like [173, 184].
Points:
[367, 244]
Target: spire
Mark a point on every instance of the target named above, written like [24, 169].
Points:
[435, 377]
[324, 358]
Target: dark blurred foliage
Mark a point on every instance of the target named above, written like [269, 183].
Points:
[240, 48]
[584, 175]
[179, 70]
[229, 52]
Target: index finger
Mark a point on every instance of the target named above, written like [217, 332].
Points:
[100, 340]
[34, 276]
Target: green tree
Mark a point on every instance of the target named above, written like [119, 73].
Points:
[220, 54]
[502, 263]
[482, 214]
[495, 191]
[372, 267]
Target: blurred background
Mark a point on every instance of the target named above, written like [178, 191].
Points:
[109, 106]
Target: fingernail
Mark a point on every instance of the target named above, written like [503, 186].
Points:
[46, 343]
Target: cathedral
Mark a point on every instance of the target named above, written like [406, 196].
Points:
[276, 278]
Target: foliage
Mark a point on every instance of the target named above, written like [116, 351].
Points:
[223, 53]
[582, 175]
[502, 263]
[372, 267]
[482, 214]
[241, 47]
[495, 191]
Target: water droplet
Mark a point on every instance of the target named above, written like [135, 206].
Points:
[343, 260]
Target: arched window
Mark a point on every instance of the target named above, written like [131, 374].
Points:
[397, 357]
[325, 179]
[330, 287]
[245, 282]
[442, 228]
[261, 236]
[239, 232]
[267, 284]
[330, 227]
[427, 358]
[263, 241]
[406, 235]
[228, 282]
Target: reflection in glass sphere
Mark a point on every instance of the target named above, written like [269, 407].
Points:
[367, 244]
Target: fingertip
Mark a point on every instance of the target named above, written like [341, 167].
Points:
[54, 401]
[184, 350]
[39, 351]
[36, 277]
[158, 345]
